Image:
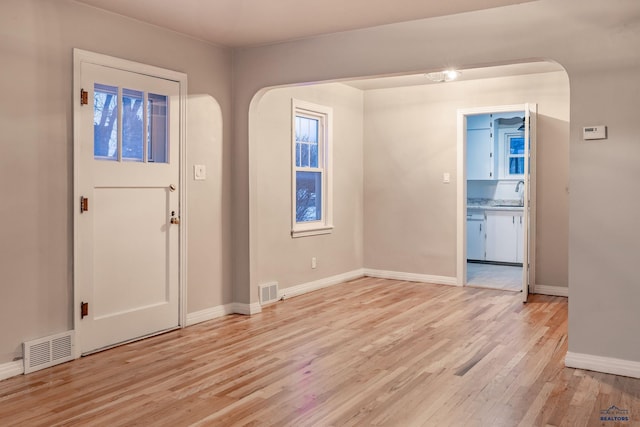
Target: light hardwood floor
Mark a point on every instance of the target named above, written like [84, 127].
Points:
[367, 352]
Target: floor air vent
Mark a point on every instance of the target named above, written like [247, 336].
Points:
[49, 351]
[268, 293]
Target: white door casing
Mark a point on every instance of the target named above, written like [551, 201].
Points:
[128, 256]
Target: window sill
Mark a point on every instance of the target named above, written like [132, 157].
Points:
[312, 231]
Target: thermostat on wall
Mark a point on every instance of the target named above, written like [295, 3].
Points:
[594, 132]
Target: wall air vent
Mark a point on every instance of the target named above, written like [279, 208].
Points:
[48, 351]
[268, 293]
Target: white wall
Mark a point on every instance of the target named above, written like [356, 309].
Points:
[37, 38]
[604, 90]
[280, 257]
[410, 141]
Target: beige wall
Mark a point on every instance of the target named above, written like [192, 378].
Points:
[280, 257]
[410, 141]
[603, 249]
[36, 157]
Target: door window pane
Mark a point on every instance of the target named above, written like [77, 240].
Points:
[157, 129]
[105, 122]
[308, 196]
[132, 124]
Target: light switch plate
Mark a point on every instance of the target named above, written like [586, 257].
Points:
[446, 177]
[199, 172]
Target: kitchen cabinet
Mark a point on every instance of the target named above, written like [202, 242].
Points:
[504, 236]
[480, 159]
[479, 121]
[475, 235]
[520, 236]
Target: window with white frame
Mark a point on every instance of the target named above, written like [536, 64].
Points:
[311, 178]
[514, 154]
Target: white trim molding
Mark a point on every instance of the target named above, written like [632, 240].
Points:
[11, 369]
[608, 365]
[246, 309]
[293, 291]
[209, 314]
[556, 291]
[411, 277]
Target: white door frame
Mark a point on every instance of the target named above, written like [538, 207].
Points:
[82, 56]
[530, 187]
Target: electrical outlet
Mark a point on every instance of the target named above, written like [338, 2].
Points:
[314, 264]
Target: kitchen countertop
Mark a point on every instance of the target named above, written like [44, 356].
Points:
[494, 205]
[496, 208]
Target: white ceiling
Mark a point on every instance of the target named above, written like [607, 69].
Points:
[238, 23]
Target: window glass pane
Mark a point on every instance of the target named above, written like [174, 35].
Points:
[308, 196]
[157, 129]
[304, 162]
[516, 146]
[313, 130]
[516, 165]
[105, 122]
[307, 136]
[313, 156]
[298, 150]
[132, 125]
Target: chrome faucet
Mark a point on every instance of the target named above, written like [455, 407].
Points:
[518, 185]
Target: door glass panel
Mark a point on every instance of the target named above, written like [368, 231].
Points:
[157, 129]
[105, 122]
[308, 196]
[132, 124]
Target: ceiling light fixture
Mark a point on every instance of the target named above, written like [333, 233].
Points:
[443, 76]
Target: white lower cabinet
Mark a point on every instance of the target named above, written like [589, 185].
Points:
[520, 237]
[475, 237]
[504, 236]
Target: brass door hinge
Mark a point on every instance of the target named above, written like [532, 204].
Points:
[84, 309]
[84, 204]
[84, 97]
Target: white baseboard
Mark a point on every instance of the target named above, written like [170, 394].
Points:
[209, 314]
[246, 309]
[222, 310]
[411, 277]
[11, 369]
[608, 365]
[296, 290]
[557, 291]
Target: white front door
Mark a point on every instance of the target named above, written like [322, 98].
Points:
[127, 227]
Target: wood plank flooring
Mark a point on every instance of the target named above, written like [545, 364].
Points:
[367, 352]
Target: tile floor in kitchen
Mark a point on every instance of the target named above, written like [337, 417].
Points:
[494, 276]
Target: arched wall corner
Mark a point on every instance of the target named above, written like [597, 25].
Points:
[208, 278]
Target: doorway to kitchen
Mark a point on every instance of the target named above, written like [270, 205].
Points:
[495, 165]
